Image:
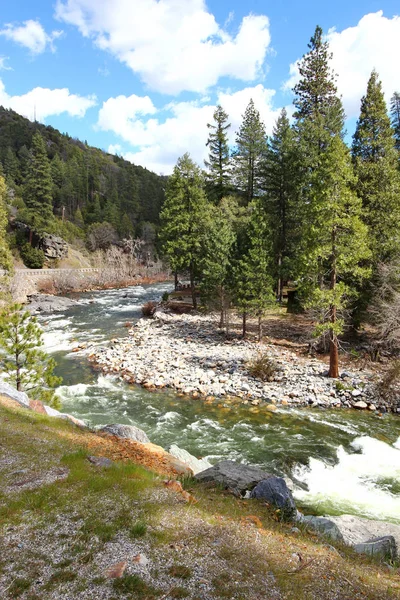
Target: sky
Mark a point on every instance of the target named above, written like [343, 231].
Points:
[142, 78]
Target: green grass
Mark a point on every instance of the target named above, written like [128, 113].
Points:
[135, 585]
[180, 571]
[139, 529]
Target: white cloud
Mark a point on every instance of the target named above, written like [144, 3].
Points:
[374, 43]
[31, 35]
[159, 137]
[3, 66]
[46, 102]
[173, 45]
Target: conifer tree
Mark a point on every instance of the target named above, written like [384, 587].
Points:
[6, 262]
[183, 218]
[253, 282]
[281, 185]
[218, 163]
[376, 167]
[251, 143]
[29, 368]
[38, 185]
[395, 114]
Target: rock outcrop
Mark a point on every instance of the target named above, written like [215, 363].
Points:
[47, 303]
[196, 464]
[53, 246]
[126, 431]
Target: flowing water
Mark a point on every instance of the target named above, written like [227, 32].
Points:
[341, 461]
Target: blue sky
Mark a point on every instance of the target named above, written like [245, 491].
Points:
[142, 77]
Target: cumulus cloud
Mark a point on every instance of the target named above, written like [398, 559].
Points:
[159, 137]
[46, 102]
[374, 43]
[31, 35]
[172, 45]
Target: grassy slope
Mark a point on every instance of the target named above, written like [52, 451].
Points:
[64, 522]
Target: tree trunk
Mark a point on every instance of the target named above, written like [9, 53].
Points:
[244, 324]
[222, 308]
[333, 340]
[227, 321]
[280, 286]
[260, 328]
[176, 280]
[193, 290]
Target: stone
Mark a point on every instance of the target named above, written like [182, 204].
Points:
[196, 464]
[357, 530]
[271, 407]
[275, 491]
[19, 397]
[383, 547]
[236, 477]
[126, 431]
[100, 461]
[360, 404]
[325, 525]
[53, 246]
[46, 303]
[356, 393]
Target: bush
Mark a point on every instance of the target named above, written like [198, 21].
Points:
[390, 381]
[262, 367]
[33, 258]
[149, 309]
[165, 296]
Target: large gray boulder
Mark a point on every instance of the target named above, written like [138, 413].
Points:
[53, 246]
[233, 476]
[275, 491]
[126, 431]
[196, 464]
[47, 303]
[7, 390]
[357, 530]
[383, 547]
[324, 525]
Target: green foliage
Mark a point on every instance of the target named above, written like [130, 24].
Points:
[135, 585]
[27, 366]
[376, 168]
[33, 258]
[67, 230]
[5, 254]
[395, 118]
[218, 163]
[251, 144]
[38, 185]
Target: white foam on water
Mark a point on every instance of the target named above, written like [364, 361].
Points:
[58, 335]
[356, 483]
[108, 382]
[169, 417]
[204, 425]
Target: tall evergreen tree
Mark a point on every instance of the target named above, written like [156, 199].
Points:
[316, 99]
[183, 219]
[218, 163]
[281, 185]
[251, 143]
[375, 162]
[6, 262]
[395, 115]
[38, 185]
[254, 284]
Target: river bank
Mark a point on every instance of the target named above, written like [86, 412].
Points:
[189, 354]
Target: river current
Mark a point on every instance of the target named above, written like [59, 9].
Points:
[341, 461]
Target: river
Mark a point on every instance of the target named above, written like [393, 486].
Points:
[341, 461]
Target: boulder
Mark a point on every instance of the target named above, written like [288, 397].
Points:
[324, 525]
[196, 464]
[275, 491]
[357, 530]
[236, 477]
[383, 547]
[7, 390]
[47, 303]
[126, 431]
[53, 246]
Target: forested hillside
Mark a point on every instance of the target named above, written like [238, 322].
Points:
[84, 184]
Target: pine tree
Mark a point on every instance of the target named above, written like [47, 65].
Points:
[316, 99]
[218, 164]
[78, 218]
[337, 240]
[125, 228]
[219, 238]
[11, 166]
[253, 281]
[376, 167]
[251, 143]
[395, 114]
[281, 185]
[28, 367]
[183, 219]
[38, 186]
[6, 262]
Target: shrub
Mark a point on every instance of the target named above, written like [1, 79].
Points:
[165, 296]
[33, 258]
[149, 309]
[391, 380]
[262, 367]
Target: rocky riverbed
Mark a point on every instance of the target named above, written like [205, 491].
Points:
[187, 353]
